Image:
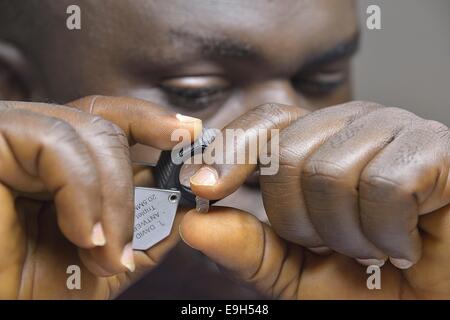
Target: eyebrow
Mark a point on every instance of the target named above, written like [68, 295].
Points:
[346, 48]
[217, 46]
[231, 48]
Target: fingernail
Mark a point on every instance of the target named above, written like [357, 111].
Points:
[98, 236]
[205, 177]
[371, 262]
[197, 124]
[401, 263]
[127, 258]
[186, 119]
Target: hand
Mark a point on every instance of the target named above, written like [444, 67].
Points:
[67, 194]
[358, 180]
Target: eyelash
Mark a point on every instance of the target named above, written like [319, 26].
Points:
[194, 99]
[320, 83]
[315, 84]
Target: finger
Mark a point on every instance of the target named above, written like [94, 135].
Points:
[143, 122]
[330, 181]
[405, 180]
[433, 269]
[108, 147]
[282, 192]
[251, 253]
[110, 150]
[12, 248]
[253, 128]
[143, 176]
[50, 149]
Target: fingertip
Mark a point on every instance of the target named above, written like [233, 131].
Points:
[77, 219]
[183, 238]
[205, 177]
[107, 260]
[207, 184]
[187, 119]
[371, 262]
[189, 228]
[93, 264]
[98, 235]
[401, 263]
[204, 183]
[195, 125]
[80, 235]
[127, 258]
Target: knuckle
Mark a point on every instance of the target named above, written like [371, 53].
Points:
[97, 123]
[345, 135]
[269, 108]
[108, 134]
[361, 104]
[57, 131]
[289, 156]
[440, 130]
[321, 175]
[436, 125]
[398, 112]
[99, 126]
[387, 189]
[274, 113]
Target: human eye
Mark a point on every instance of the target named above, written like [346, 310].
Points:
[195, 93]
[323, 80]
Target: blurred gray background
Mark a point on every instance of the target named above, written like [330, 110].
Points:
[407, 63]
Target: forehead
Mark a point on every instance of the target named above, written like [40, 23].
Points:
[283, 30]
[124, 38]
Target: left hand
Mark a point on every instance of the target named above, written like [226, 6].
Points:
[66, 194]
[362, 180]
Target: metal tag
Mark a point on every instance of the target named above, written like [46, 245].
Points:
[154, 214]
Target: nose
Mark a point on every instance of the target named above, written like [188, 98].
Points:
[277, 91]
[255, 94]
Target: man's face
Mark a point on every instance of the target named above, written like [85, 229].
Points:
[205, 58]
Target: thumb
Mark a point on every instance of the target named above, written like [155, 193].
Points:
[250, 136]
[246, 248]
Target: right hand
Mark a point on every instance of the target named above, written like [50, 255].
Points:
[66, 194]
[302, 198]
